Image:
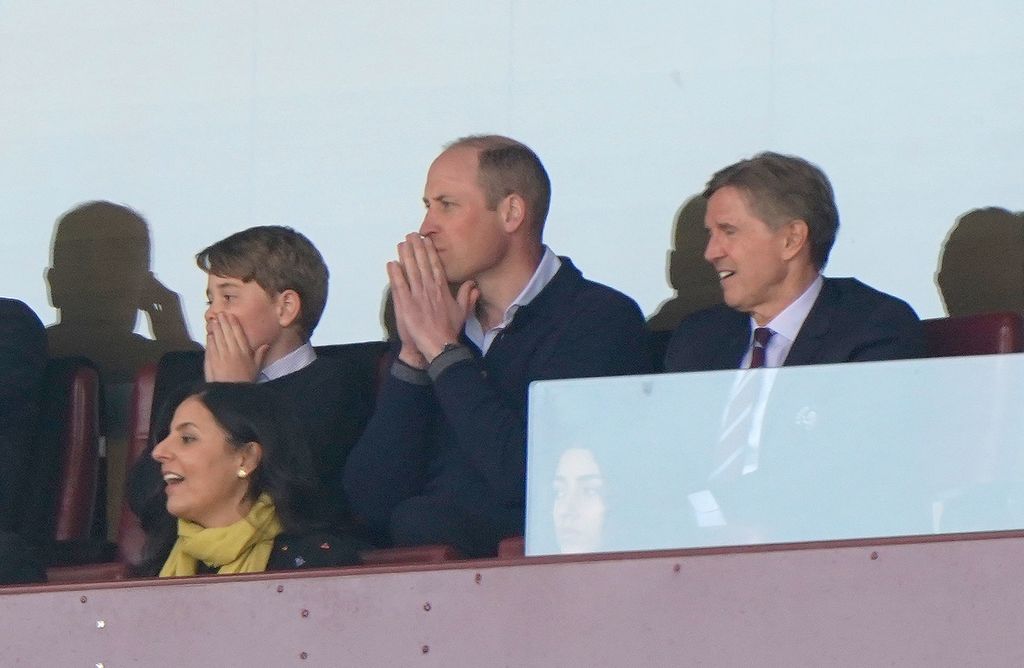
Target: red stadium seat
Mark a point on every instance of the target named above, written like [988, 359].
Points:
[76, 498]
[130, 537]
[418, 554]
[512, 547]
[61, 496]
[977, 334]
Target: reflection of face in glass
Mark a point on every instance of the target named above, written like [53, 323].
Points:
[579, 508]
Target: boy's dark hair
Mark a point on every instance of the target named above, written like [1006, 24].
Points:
[278, 259]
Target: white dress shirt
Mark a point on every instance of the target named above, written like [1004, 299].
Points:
[785, 326]
[294, 361]
[546, 270]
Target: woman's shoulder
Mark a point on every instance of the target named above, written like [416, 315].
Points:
[312, 550]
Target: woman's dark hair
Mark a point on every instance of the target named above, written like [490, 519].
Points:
[249, 412]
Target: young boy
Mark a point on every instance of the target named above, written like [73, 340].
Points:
[266, 289]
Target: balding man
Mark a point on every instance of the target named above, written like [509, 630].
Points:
[444, 457]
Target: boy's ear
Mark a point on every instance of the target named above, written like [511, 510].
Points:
[289, 306]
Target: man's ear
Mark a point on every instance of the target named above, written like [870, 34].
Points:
[795, 238]
[513, 212]
[289, 306]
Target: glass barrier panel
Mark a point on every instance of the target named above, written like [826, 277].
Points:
[776, 455]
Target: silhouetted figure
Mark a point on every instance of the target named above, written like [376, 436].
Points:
[690, 275]
[99, 281]
[981, 269]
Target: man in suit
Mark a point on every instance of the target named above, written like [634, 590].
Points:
[22, 366]
[771, 222]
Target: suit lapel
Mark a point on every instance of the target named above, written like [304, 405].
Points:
[807, 347]
[734, 346]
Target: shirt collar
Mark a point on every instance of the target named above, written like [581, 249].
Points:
[791, 319]
[294, 361]
[542, 275]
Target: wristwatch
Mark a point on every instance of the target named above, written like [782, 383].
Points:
[448, 347]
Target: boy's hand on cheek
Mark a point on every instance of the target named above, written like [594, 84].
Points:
[229, 358]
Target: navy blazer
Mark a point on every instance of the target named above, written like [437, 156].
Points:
[849, 322]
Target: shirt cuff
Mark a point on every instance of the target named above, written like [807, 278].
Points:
[409, 374]
[446, 359]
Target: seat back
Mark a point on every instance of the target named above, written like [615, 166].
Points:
[131, 539]
[416, 554]
[976, 334]
[512, 547]
[61, 496]
[76, 500]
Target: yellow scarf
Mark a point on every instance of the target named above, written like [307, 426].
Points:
[243, 547]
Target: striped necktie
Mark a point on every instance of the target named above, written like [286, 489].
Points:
[757, 354]
[739, 438]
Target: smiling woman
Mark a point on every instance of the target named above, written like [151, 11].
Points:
[242, 487]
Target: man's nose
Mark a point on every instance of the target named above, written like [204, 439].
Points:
[712, 250]
[427, 227]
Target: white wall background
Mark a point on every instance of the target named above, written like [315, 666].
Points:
[211, 117]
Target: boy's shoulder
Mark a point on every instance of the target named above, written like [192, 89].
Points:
[342, 369]
[337, 371]
[356, 362]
